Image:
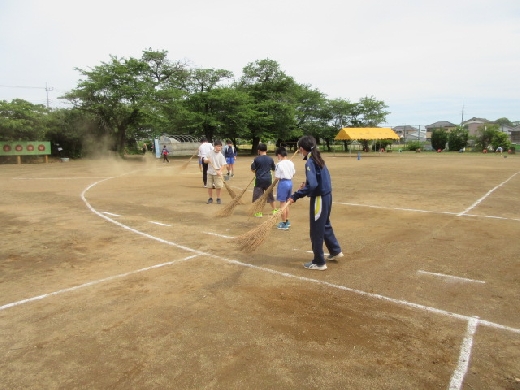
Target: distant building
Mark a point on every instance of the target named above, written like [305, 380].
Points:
[409, 133]
[447, 126]
[473, 124]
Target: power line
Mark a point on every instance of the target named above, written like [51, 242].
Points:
[22, 86]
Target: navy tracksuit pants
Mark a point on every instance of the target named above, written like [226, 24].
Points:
[321, 229]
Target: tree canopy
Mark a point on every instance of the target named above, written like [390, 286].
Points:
[127, 98]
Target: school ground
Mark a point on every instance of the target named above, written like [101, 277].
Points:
[117, 275]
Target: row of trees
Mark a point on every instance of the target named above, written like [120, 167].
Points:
[457, 139]
[142, 98]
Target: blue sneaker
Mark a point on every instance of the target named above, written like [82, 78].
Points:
[288, 223]
[282, 226]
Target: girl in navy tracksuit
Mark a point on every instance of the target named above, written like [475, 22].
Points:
[319, 188]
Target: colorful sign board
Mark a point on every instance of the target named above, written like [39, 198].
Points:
[31, 148]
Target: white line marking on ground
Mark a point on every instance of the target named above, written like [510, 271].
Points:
[218, 235]
[426, 211]
[271, 271]
[112, 214]
[395, 208]
[450, 277]
[485, 196]
[465, 353]
[59, 178]
[6, 306]
[159, 223]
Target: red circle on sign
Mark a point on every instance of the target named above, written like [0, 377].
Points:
[7, 148]
[30, 148]
[18, 148]
[41, 148]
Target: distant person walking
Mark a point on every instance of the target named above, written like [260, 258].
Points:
[318, 188]
[165, 154]
[230, 153]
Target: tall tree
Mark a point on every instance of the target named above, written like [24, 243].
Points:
[439, 139]
[312, 115]
[204, 101]
[23, 121]
[458, 138]
[123, 93]
[369, 112]
[271, 90]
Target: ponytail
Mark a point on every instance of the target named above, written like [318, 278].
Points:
[308, 143]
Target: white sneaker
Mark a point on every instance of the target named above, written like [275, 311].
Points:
[335, 257]
[317, 267]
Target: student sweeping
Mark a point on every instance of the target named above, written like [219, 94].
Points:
[216, 162]
[284, 172]
[318, 188]
[262, 166]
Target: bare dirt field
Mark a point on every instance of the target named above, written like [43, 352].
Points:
[117, 275]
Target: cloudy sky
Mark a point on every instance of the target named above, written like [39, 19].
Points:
[428, 60]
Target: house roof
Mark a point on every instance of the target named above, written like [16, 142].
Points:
[478, 120]
[440, 124]
[404, 127]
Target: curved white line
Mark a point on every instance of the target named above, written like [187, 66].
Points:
[284, 274]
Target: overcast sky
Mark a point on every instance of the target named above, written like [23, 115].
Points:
[428, 60]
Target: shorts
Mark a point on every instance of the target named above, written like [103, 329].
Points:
[215, 179]
[230, 160]
[259, 191]
[284, 189]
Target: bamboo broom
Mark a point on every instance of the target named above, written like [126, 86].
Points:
[228, 209]
[259, 204]
[185, 165]
[251, 240]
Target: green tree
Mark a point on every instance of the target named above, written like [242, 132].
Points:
[163, 111]
[125, 94]
[114, 92]
[439, 139]
[233, 111]
[23, 121]
[340, 115]
[490, 135]
[369, 112]
[205, 103]
[500, 139]
[503, 122]
[77, 132]
[272, 93]
[458, 139]
[312, 113]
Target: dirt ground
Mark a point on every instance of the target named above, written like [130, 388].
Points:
[117, 275]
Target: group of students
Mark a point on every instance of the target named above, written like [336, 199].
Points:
[317, 187]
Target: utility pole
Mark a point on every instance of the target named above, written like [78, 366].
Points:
[47, 89]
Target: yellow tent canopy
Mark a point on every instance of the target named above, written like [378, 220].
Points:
[352, 133]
